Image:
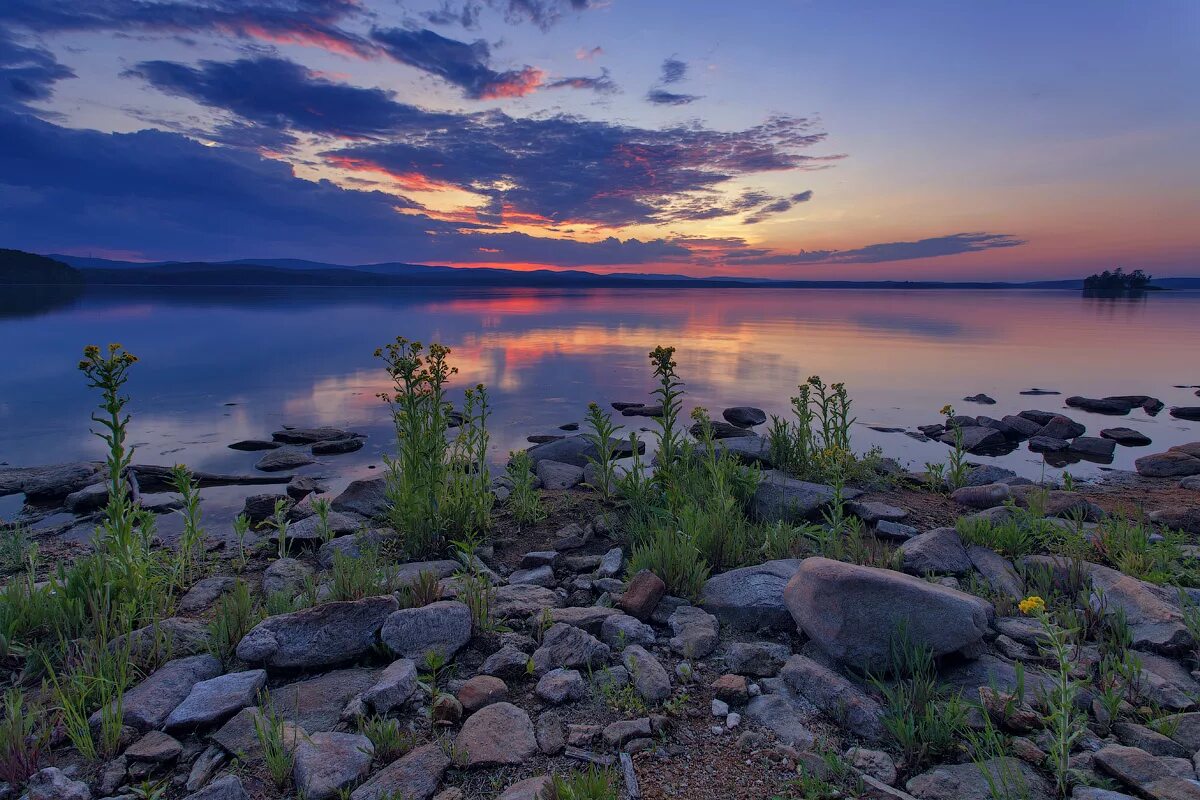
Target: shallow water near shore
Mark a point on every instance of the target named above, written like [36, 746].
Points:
[223, 364]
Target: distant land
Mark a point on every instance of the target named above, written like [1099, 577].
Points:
[17, 267]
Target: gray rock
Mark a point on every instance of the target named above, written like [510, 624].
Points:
[620, 630]
[988, 473]
[997, 571]
[539, 787]
[1126, 437]
[894, 531]
[285, 575]
[1183, 518]
[1048, 444]
[556, 475]
[540, 558]
[227, 787]
[309, 528]
[975, 438]
[835, 696]
[588, 618]
[416, 776]
[395, 686]
[551, 733]
[1192, 483]
[309, 435]
[694, 631]
[508, 663]
[205, 592]
[853, 613]
[203, 768]
[412, 571]
[174, 636]
[148, 704]
[986, 496]
[338, 446]
[367, 498]
[216, 699]
[353, 546]
[327, 634]
[48, 483]
[560, 686]
[155, 747]
[1093, 447]
[649, 677]
[316, 704]
[1171, 464]
[567, 646]
[747, 449]
[756, 659]
[611, 564]
[744, 416]
[1142, 772]
[749, 598]
[443, 627]
[88, 499]
[52, 783]
[1153, 742]
[1011, 776]
[522, 600]
[495, 736]
[327, 762]
[1061, 427]
[871, 511]
[578, 450]
[538, 576]
[939, 552]
[780, 498]
[284, 458]
[775, 712]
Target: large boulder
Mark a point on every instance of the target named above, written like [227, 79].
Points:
[443, 627]
[781, 498]
[835, 696]
[939, 551]
[1171, 464]
[327, 634]
[416, 776]
[284, 458]
[148, 704]
[495, 736]
[996, 777]
[367, 498]
[49, 483]
[326, 762]
[855, 613]
[216, 699]
[578, 450]
[744, 416]
[748, 598]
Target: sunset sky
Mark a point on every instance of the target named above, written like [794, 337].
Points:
[780, 138]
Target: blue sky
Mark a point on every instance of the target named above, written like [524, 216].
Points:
[791, 139]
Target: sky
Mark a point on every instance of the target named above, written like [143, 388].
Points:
[781, 138]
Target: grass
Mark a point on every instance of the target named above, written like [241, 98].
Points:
[602, 436]
[523, 500]
[367, 575]
[190, 558]
[594, 783]
[23, 735]
[272, 731]
[233, 618]
[390, 741]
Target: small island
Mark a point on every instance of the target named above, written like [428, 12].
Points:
[1118, 283]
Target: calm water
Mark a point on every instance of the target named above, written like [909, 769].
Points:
[220, 365]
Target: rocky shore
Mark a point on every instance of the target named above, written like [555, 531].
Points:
[777, 680]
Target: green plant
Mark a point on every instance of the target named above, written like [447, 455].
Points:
[425, 589]
[956, 465]
[1011, 537]
[1063, 721]
[622, 698]
[433, 666]
[189, 561]
[523, 500]
[321, 508]
[475, 587]
[280, 602]
[241, 527]
[467, 506]
[22, 737]
[674, 558]
[364, 575]
[935, 476]
[273, 734]
[234, 617]
[279, 522]
[15, 548]
[389, 740]
[594, 783]
[669, 394]
[831, 779]
[817, 440]
[602, 438]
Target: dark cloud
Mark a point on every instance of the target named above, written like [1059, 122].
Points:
[953, 244]
[449, 13]
[283, 96]
[27, 74]
[777, 207]
[462, 64]
[309, 22]
[601, 84]
[167, 196]
[673, 70]
[543, 13]
[661, 97]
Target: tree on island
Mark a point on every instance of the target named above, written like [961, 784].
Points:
[1117, 282]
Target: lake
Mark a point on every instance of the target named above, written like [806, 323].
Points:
[219, 365]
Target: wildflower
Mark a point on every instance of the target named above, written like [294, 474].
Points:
[1032, 605]
[947, 410]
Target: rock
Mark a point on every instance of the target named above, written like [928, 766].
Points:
[446, 710]
[780, 498]
[854, 612]
[259, 507]
[621, 630]
[254, 445]
[147, 705]
[836, 697]
[588, 618]
[416, 776]
[1191, 413]
[939, 551]
[1021, 427]
[773, 711]
[567, 646]
[1183, 518]
[695, 631]
[508, 662]
[1101, 405]
[876, 763]
[327, 634]
[748, 449]
[443, 627]
[52, 783]
[301, 486]
[1060, 427]
[1143, 773]
[316, 704]
[309, 528]
[895, 531]
[227, 787]
[756, 659]
[551, 733]
[1191, 448]
[540, 787]
[751, 597]
[649, 677]
[744, 416]
[1048, 444]
[538, 576]
[540, 558]
[367, 498]
[560, 686]
[986, 496]
[1171, 464]
[286, 576]
[410, 573]
[611, 563]
[968, 781]
[171, 636]
[871, 511]
[205, 592]
[556, 475]
[997, 571]
[48, 484]
[480, 691]
[975, 438]
[216, 699]
[309, 435]
[1093, 447]
[88, 499]
[980, 398]
[578, 450]
[1153, 742]
[719, 430]
[522, 600]
[643, 595]
[1192, 483]
[572, 536]
[496, 735]
[395, 687]
[350, 546]
[338, 446]
[203, 768]
[284, 458]
[155, 747]
[327, 762]
[1127, 437]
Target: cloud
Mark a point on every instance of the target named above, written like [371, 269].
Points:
[281, 95]
[27, 74]
[601, 84]
[167, 196]
[661, 97]
[543, 13]
[449, 13]
[589, 53]
[953, 244]
[777, 207]
[307, 22]
[462, 64]
[673, 70]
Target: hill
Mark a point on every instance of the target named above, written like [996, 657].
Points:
[20, 268]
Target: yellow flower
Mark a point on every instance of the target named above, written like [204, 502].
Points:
[947, 410]
[1032, 605]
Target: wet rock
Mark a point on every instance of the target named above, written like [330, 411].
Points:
[780, 498]
[567, 646]
[416, 776]
[395, 687]
[284, 458]
[835, 696]
[1101, 405]
[205, 592]
[496, 735]
[148, 704]
[853, 612]
[744, 416]
[1061, 427]
[557, 475]
[254, 445]
[1126, 437]
[1048, 444]
[939, 551]
[968, 781]
[694, 631]
[216, 699]
[309, 435]
[560, 686]
[51, 483]
[980, 398]
[751, 597]
[578, 450]
[1093, 447]
[480, 691]
[1191, 413]
[326, 763]
[328, 634]
[88, 499]
[756, 659]
[336, 447]
[986, 496]
[443, 627]
[643, 595]
[975, 438]
[649, 677]
[1024, 428]
[367, 498]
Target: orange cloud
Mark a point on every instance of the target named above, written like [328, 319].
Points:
[514, 84]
